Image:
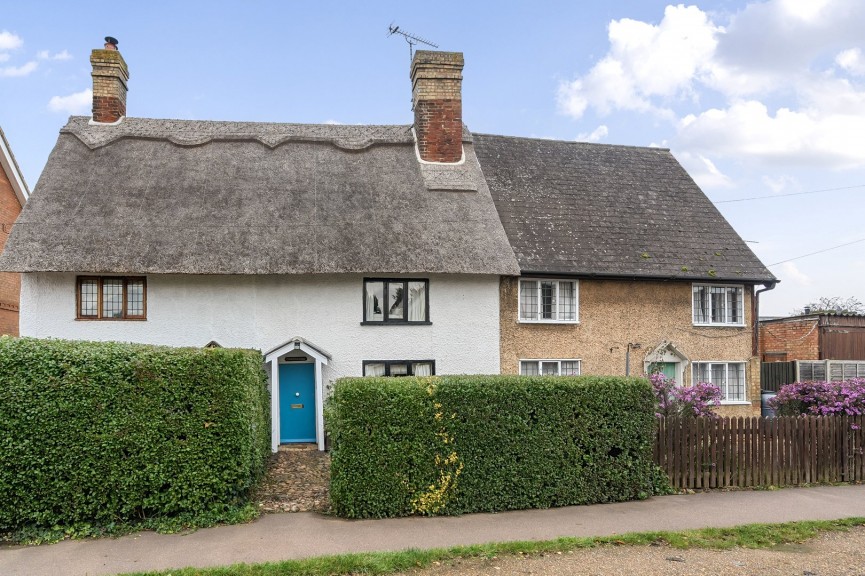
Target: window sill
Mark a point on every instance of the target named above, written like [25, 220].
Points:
[571, 322]
[719, 325]
[735, 403]
[396, 323]
[111, 319]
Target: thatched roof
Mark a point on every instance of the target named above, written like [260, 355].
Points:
[609, 211]
[192, 197]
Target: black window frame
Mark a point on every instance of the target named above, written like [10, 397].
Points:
[408, 363]
[399, 321]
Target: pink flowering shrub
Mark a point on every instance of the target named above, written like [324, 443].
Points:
[672, 400]
[821, 398]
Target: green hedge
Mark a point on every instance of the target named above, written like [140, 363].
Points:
[458, 444]
[108, 433]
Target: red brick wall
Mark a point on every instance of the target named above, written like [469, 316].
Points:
[10, 283]
[799, 339]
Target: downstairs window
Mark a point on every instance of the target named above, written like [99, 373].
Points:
[399, 367]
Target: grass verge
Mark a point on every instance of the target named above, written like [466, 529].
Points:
[748, 536]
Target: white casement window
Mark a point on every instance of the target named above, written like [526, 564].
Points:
[543, 300]
[718, 305]
[728, 376]
[549, 367]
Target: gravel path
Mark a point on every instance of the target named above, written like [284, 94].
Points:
[831, 554]
[297, 480]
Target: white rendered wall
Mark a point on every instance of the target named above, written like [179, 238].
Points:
[264, 311]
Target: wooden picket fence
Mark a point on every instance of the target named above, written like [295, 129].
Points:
[706, 452]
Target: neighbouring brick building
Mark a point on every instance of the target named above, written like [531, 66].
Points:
[13, 196]
[816, 336]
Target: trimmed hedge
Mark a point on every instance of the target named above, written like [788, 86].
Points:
[103, 433]
[459, 444]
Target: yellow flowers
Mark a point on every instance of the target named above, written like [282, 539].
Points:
[435, 498]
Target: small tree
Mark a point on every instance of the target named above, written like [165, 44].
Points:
[697, 400]
[834, 304]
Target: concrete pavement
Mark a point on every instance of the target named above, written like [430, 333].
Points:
[285, 536]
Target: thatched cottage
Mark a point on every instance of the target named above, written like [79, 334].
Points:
[381, 250]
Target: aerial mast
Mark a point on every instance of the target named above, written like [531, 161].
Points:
[412, 39]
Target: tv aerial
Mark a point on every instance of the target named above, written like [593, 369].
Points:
[412, 39]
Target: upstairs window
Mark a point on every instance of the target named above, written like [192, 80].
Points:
[399, 368]
[397, 301]
[111, 298]
[716, 305]
[544, 300]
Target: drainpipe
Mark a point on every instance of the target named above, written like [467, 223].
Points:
[631, 346]
[756, 314]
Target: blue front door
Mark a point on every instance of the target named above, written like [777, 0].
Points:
[296, 403]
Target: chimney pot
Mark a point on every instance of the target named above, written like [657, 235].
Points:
[110, 75]
[436, 79]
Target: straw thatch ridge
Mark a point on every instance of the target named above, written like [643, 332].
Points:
[189, 197]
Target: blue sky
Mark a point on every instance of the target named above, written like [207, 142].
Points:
[754, 98]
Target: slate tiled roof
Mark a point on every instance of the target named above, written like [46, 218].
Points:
[191, 197]
[609, 211]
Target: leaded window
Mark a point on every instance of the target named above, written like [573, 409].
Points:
[111, 298]
[543, 300]
[718, 305]
[728, 376]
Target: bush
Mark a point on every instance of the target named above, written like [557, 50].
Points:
[104, 433]
[458, 444]
[821, 398]
[697, 400]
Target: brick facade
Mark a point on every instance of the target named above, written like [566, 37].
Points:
[793, 339]
[616, 313]
[10, 283]
[110, 75]
[438, 111]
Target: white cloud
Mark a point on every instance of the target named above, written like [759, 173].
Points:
[595, 135]
[15, 71]
[332, 122]
[749, 129]
[805, 10]
[790, 272]
[703, 171]
[46, 55]
[645, 62]
[76, 103]
[852, 61]
[764, 69]
[10, 41]
[4, 57]
[779, 183]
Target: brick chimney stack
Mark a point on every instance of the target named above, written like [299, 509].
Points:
[436, 80]
[110, 76]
